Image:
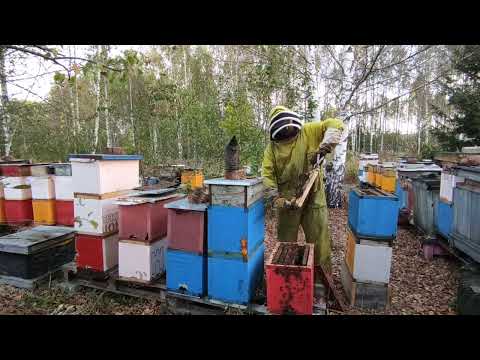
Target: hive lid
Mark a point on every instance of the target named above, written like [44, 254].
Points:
[109, 157]
[15, 164]
[145, 197]
[243, 182]
[184, 204]
[35, 239]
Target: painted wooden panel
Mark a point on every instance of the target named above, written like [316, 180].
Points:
[350, 250]
[40, 170]
[372, 262]
[364, 295]
[63, 187]
[373, 213]
[3, 218]
[64, 169]
[141, 261]
[144, 221]
[290, 287]
[448, 181]
[64, 212]
[187, 230]
[93, 216]
[228, 226]
[104, 176]
[186, 272]
[17, 188]
[15, 170]
[43, 188]
[44, 212]
[18, 211]
[234, 280]
[97, 253]
[444, 218]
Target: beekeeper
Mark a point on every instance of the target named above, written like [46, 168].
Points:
[289, 156]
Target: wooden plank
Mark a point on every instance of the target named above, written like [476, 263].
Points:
[102, 196]
[281, 260]
[308, 186]
[306, 252]
[278, 252]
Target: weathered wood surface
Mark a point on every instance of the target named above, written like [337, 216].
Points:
[308, 186]
[233, 195]
[364, 295]
[31, 283]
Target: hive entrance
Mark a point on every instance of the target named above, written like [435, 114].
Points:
[291, 254]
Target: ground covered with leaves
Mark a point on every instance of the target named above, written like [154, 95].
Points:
[417, 286]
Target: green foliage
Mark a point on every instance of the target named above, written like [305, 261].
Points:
[464, 98]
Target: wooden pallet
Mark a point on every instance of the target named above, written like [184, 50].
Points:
[157, 290]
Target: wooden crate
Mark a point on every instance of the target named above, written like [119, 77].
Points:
[43, 187]
[365, 295]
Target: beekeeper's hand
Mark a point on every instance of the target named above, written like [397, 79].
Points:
[330, 139]
[282, 203]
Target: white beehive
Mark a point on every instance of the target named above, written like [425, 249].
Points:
[96, 216]
[43, 188]
[17, 188]
[102, 174]
[448, 181]
[63, 187]
[368, 260]
[141, 261]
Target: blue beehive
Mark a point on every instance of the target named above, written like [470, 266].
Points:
[236, 223]
[186, 272]
[401, 194]
[444, 218]
[373, 213]
[231, 278]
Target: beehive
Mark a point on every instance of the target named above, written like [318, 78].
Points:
[388, 179]
[444, 218]
[186, 273]
[192, 177]
[143, 217]
[140, 261]
[43, 188]
[97, 174]
[34, 252]
[17, 188]
[15, 170]
[187, 226]
[63, 187]
[373, 213]
[64, 212]
[290, 279]
[44, 212]
[18, 211]
[96, 253]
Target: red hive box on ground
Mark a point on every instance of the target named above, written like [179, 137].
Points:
[143, 217]
[187, 226]
[64, 212]
[18, 211]
[290, 279]
[96, 253]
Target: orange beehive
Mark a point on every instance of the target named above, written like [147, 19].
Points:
[44, 212]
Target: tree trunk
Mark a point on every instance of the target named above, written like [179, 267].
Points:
[97, 91]
[4, 115]
[334, 180]
[132, 122]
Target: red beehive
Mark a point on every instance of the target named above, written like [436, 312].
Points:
[290, 279]
[16, 170]
[64, 212]
[18, 211]
[96, 253]
[143, 217]
[187, 226]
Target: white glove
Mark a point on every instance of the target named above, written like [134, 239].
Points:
[332, 137]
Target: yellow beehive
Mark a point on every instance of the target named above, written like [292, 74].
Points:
[378, 177]
[193, 178]
[44, 212]
[370, 174]
[389, 178]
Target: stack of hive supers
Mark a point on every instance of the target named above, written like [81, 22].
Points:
[236, 220]
[142, 231]
[98, 181]
[64, 212]
[372, 228]
[17, 192]
[187, 247]
[363, 166]
[43, 194]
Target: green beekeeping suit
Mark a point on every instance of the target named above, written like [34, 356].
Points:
[285, 165]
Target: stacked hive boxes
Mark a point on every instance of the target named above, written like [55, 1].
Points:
[365, 160]
[98, 181]
[17, 193]
[142, 230]
[236, 218]
[64, 210]
[187, 248]
[372, 218]
[43, 194]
